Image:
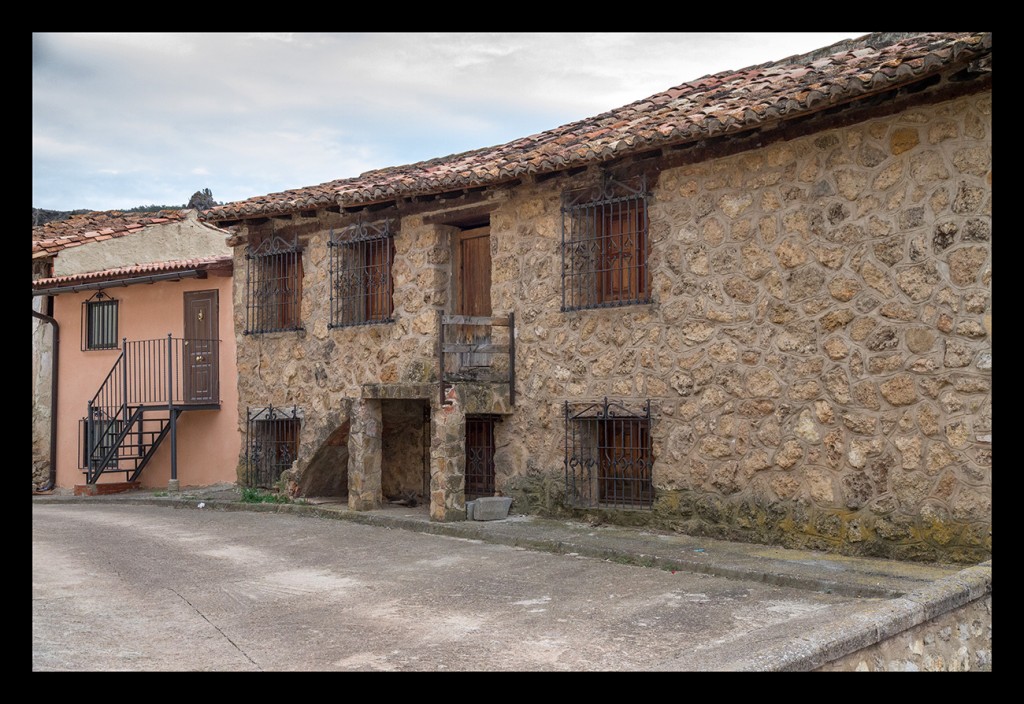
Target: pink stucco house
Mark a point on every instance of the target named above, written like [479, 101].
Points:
[134, 353]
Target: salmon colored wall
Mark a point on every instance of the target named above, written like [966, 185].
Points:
[208, 441]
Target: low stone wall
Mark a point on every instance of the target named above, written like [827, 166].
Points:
[960, 641]
[954, 640]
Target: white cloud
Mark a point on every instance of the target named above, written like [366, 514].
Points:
[267, 112]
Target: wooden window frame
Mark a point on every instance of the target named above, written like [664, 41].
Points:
[623, 265]
[273, 286]
[605, 245]
[624, 447]
[608, 455]
[360, 273]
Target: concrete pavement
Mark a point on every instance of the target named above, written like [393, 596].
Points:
[846, 604]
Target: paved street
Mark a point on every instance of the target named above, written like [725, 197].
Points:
[146, 588]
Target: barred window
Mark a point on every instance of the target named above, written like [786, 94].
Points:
[272, 444]
[360, 274]
[273, 287]
[604, 246]
[608, 455]
[479, 455]
[99, 323]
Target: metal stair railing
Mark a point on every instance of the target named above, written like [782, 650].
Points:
[148, 375]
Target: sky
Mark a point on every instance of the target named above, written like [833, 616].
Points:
[121, 120]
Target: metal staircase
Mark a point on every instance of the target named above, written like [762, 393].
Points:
[137, 406]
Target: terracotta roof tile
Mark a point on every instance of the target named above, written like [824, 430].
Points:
[51, 237]
[127, 272]
[726, 102]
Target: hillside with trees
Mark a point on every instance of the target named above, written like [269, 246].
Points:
[201, 200]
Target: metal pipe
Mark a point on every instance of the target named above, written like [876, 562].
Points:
[52, 480]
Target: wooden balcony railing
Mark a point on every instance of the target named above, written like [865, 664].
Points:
[478, 349]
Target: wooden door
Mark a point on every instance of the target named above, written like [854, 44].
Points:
[200, 370]
[474, 290]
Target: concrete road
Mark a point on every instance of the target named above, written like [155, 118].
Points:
[154, 588]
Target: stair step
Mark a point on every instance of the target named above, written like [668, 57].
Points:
[140, 436]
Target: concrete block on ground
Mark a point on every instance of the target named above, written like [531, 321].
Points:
[491, 508]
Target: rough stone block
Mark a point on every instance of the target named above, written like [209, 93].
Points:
[491, 508]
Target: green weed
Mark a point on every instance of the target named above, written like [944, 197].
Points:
[252, 495]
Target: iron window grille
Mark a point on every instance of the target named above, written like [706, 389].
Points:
[479, 456]
[361, 256]
[271, 444]
[273, 286]
[608, 455]
[99, 323]
[605, 245]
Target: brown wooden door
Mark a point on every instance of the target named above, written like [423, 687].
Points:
[200, 370]
[474, 290]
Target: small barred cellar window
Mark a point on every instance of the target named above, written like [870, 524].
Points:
[605, 246]
[271, 444]
[273, 286]
[360, 273]
[608, 455]
[479, 456]
[99, 323]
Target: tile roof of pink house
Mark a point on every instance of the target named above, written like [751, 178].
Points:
[724, 103]
[221, 262]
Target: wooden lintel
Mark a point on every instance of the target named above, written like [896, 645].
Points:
[481, 348]
[499, 320]
[460, 215]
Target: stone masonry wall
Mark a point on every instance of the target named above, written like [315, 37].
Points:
[959, 641]
[42, 380]
[322, 369]
[818, 349]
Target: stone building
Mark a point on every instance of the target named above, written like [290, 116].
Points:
[756, 306]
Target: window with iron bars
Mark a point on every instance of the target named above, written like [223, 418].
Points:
[360, 274]
[272, 444]
[273, 286]
[479, 455]
[99, 323]
[608, 455]
[605, 246]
